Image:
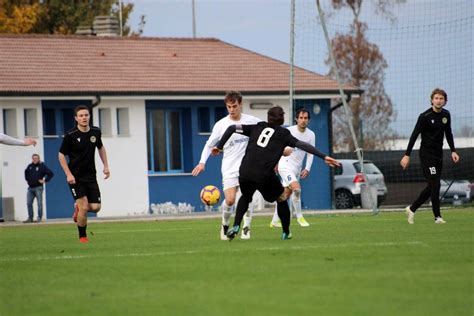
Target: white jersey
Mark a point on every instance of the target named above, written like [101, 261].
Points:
[234, 148]
[294, 162]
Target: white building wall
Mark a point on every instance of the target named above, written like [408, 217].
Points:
[14, 159]
[126, 191]
[262, 112]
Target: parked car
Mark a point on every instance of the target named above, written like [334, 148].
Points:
[348, 180]
[460, 191]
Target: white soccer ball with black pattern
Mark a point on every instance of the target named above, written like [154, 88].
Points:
[210, 195]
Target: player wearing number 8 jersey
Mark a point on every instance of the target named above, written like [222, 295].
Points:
[267, 142]
[432, 124]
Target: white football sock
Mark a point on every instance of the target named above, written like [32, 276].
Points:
[296, 202]
[226, 213]
[275, 218]
[248, 215]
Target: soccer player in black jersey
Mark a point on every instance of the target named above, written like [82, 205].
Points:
[267, 142]
[432, 124]
[79, 146]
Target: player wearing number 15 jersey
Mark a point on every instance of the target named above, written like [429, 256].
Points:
[267, 142]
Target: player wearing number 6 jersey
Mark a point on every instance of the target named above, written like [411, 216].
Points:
[234, 152]
[267, 142]
[432, 124]
[291, 169]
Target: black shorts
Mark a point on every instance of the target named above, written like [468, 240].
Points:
[89, 189]
[270, 188]
[431, 166]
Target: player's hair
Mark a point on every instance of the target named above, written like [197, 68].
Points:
[81, 107]
[439, 91]
[232, 96]
[302, 110]
[35, 155]
[276, 115]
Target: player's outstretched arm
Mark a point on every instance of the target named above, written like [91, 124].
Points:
[8, 140]
[331, 162]
[29, 141]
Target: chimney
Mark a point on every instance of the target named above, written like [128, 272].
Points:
[106, 26]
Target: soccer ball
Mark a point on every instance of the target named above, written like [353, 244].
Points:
[210, 195]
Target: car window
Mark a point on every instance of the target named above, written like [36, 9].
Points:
[338, 171]
[369, 168]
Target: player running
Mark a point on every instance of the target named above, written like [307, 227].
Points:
[234, 152]
[267, 141]
[290, 167]
[79, 146]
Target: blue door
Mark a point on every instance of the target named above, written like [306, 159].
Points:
[58, 117]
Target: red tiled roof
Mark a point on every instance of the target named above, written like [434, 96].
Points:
[43, 64]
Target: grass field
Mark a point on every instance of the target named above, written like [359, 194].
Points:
[340, 265]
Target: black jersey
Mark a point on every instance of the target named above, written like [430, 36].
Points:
[265, 148]
[432, 126]
[80, 149]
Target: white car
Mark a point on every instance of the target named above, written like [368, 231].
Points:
[456, 191]
[348, 180]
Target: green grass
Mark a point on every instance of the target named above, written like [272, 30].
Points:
[340, 265]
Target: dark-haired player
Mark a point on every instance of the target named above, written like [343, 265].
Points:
[432, 124]
[267, 141]
[290, 168]
[79, 146]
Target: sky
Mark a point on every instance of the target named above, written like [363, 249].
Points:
[429, 46]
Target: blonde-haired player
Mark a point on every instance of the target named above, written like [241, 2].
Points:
[290, 167]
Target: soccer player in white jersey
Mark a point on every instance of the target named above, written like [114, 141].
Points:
[290, 167]
[234, 151]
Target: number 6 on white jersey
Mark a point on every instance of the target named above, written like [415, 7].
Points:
[265, 136]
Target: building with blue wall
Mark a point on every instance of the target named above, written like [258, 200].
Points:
[156, 100]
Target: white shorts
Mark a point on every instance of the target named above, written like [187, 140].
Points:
[288, 176]
[228, 183]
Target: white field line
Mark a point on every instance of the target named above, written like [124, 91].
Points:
[232, 250]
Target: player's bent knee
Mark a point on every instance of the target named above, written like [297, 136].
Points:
[230, 201]
[285, 195]
[94, 207]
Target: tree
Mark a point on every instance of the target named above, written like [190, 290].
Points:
[57, 16]
[362, 64]
[18, 19]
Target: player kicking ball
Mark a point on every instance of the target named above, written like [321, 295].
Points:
[234, 152]
[267, 141]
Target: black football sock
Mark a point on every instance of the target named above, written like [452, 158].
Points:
[82, 231]
[284, 214]
[242, 207]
